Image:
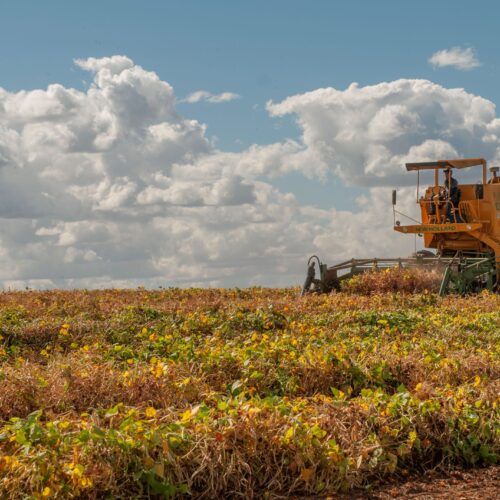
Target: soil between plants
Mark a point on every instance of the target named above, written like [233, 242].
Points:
[470, 484]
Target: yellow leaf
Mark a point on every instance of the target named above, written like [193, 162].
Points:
[159, 470]
[412, 437]
[157, 370]
[78, 470]
[150, 412]
[306, 474]
[85, 482]
[477, 380]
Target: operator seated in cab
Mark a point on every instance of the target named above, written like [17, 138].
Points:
[452, 195]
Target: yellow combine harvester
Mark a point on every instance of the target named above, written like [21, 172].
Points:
[460, 221]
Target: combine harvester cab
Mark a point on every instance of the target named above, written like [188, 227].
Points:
[460, 221]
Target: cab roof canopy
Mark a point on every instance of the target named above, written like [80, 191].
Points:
[459, 163]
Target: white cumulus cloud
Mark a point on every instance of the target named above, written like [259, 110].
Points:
[463, 59]
[204, 95]
[366, 134]
[112, 187]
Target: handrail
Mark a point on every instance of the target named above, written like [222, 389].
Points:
[440, 204]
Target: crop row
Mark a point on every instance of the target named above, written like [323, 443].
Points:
[241, 392]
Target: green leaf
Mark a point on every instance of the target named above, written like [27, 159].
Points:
[98, 433]
[235, 387]
[157, 487]
[113, 411]
[83, 436]
[222, 405]
[318, 431]
[21, 437]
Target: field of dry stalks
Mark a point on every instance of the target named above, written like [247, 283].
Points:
[250, 393]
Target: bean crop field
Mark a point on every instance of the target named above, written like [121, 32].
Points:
[253, 393]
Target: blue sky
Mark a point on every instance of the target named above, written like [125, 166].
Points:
[369, 40]
[263, 51]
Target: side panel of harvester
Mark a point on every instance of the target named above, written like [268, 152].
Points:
[490, 214]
